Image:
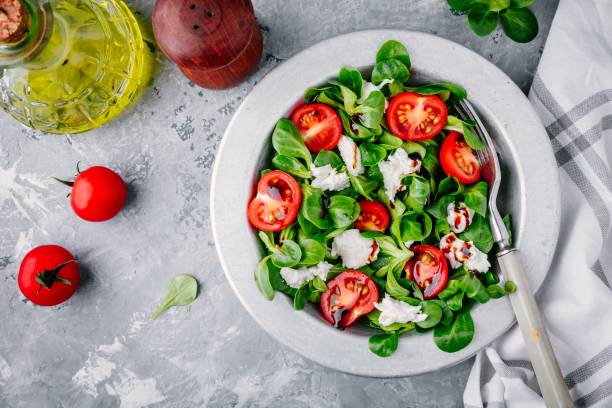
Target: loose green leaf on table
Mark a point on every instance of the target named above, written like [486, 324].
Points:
[518, 21]
[182, 291]
[520, 24]
[497, 5]
[482, 20]
[521, 3]
[461, 5]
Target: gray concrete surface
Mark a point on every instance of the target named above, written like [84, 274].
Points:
[100, 349]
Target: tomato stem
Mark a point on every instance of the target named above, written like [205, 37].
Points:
[48, 277]
[64, 182]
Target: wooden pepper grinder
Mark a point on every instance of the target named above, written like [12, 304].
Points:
[215, 43]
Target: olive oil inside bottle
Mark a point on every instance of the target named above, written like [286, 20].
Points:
[93, 64]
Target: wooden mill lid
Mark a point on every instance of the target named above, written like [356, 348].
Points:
[203, 34]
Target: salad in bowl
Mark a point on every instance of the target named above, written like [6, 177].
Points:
[373, 208]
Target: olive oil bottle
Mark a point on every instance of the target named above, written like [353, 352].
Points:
[68, 66]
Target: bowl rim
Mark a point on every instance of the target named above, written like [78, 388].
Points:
[537, 232]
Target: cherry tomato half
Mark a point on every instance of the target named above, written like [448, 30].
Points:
[459, 160]
[319, 125]
[277, 202]
[416, 117]
[98, 194]
[48, 275]
[428, 269]
[350, 295]
[373, 216]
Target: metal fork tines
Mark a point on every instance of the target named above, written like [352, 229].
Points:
[489, 163]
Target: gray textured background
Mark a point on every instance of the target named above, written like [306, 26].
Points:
[100, 349]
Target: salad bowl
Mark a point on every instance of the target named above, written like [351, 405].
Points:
[529, 192]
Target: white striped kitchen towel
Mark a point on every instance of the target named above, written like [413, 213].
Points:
[572, 92]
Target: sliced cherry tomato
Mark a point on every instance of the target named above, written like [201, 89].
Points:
[428, 269]
[98, 194]
[373, 216]
[48, 275]
[319, 125]
[350, 295]
[277, 201]
[416, 117]
[459, 160]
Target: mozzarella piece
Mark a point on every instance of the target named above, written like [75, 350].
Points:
[478, 261]
[355, 250]
[395, 168]
[328, 179]
[459, 217]
[369, 87]
[297, 277]
[349, 151]
[395, 311]
[459, 252]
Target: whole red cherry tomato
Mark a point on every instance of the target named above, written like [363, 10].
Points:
[48, 275]
[98, 194]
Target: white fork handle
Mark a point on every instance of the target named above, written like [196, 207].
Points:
[529, 319]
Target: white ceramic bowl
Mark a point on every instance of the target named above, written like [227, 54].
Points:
[530, 192]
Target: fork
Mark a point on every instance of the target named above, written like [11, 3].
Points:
[545, 365]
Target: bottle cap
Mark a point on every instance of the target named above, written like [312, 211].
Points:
[14, 21]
